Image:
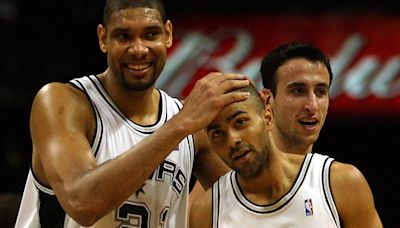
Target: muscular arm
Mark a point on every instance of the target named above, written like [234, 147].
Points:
[353, 197]
[87, 192]
[201, 211]
[61, 127]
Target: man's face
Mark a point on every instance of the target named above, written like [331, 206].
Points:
[239, 136]
[301, 101]
[136, 42]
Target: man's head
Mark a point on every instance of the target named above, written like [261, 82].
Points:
[116, 5]
[135, 35]
[239, 134]
[296, 78]
[276, 58]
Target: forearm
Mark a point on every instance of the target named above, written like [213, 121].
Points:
[103, 188]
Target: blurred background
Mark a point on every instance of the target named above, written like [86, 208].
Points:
[44, 42]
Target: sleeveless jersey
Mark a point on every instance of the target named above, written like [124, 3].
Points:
[309, 203]
[161, 201]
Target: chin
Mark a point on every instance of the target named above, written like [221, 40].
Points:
[310, 140]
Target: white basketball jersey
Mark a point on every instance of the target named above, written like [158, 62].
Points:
[309, 203]
[162, 200]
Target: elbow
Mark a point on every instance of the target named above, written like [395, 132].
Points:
[86, 221]
[85, 213]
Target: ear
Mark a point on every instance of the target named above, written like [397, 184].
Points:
[168, 33]
[266, 95]
[102, 36]
[268, 117]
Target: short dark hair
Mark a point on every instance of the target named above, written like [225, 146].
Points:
[255, 97]
[276, 58]
[116, 5]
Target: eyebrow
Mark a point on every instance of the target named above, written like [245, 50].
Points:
[295, 84]
[119, 29]
[227, 119]
[127, 29]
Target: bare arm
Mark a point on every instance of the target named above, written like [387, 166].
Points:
[353, 197]
[87, 192]
[201, 211]
[61, 123]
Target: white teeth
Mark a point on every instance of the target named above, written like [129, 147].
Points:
[309, 122]
[138, 66]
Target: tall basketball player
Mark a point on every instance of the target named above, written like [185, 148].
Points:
[111, 150]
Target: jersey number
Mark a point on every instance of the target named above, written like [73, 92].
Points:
[137, 215]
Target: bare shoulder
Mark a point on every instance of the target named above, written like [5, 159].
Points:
[353, 196]
[201, 210]
[58, 101]
[346, 174]
[56, 92]
[58, 112]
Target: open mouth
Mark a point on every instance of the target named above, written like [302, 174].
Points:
[137, 67]
[308, 122]
[240, 154]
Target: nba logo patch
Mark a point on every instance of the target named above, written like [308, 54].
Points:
[309, 207]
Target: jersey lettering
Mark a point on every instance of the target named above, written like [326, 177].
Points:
[133, 215]
[176, 176]
[179, 182]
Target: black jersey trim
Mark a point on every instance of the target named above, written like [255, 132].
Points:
[40, 186]
[326, 188]
[216, 198]
[144, 129]
[98, 135]
[51, 214]
[281, 202]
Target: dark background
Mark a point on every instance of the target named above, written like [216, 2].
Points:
[57, 41]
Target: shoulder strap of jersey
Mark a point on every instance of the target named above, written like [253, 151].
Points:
[326, 184]
[215, 204]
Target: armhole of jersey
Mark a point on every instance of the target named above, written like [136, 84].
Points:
[215, 204]
[98, 132]
[326, 184]
[41, 187]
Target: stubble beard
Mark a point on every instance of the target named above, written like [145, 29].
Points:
[259, 164]
[137, 86]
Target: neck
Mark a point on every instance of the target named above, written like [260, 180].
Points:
[271, 183]
[142, 107]
[291, 146]
[274, 181]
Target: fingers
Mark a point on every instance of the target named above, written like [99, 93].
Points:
[209, 95]
[232, 97]
[225, 76]
[233, 84]
[220, 85]
[224, 82]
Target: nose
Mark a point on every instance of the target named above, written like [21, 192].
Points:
[234, 139]
[137, 48]
[311, 104]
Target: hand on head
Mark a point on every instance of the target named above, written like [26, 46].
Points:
[209, 95]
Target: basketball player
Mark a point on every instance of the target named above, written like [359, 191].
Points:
[111, 150]
[296, 78]
[270, 188]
